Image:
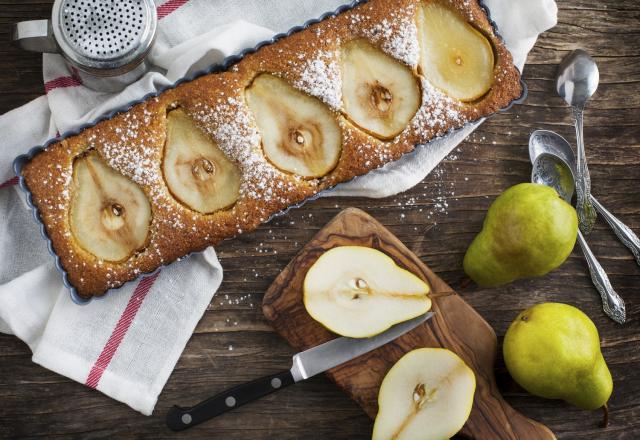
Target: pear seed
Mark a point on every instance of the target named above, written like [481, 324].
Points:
[381, 97]
[299, 137]
[202, 168]
[419, 394]
[361, 284]
[117, 209]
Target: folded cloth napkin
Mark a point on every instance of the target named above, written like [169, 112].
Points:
[127, 343]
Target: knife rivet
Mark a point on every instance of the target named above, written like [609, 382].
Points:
[276, 383]
[186, 419]
[230, 401]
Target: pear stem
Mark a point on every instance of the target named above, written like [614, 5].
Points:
[605, 416]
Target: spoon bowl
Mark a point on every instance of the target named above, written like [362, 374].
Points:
[553, 171]
[545, 141]
[577, 78]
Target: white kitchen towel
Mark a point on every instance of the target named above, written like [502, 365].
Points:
[127, 344]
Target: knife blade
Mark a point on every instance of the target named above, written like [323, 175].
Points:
[340, 350]
[305, 365]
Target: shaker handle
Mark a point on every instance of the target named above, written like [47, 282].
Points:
[34, 36]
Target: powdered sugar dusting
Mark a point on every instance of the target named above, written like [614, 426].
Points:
[231, 125]
[138, 163]
[321, 77]
[397, 35]
[437, 112]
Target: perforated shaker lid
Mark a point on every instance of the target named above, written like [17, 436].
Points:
[104, 37]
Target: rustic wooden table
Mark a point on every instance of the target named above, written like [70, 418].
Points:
[437, 219]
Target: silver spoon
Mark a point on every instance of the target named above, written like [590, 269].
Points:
[553, 171]
[544, 141]
[576, 81]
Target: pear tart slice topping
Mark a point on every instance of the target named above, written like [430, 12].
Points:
[380, 94]
[300, 135]
[358, 292]
[109, 214]
[196, 171]
[455, 57]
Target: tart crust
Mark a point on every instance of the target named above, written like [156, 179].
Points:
[133, 142]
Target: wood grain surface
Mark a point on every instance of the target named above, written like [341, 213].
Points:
[455, 326]
[436, 220]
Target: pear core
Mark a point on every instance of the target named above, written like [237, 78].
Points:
[358, 292]
[427, 395]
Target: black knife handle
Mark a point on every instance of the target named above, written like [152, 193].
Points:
[179, 418]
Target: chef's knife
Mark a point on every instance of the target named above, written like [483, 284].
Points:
[305, 365]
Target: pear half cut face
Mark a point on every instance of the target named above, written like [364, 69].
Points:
[427, 395]
[196, 171]
[455, 57]
[380, 94]
[300, 135]
[359, 292]
[109, 214]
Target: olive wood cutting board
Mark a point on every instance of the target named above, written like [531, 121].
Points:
[456, 326]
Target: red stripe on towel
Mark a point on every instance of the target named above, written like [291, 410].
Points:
[120, 330]
[10, 182]
[168, 7]
[62, 82]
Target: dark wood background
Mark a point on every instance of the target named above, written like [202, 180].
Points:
[437, 220]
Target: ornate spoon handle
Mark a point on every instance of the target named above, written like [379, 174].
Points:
[612, 304]
[586, 213]
[622, 231]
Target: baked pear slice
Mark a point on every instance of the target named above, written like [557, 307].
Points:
[109, 213]
[380, 94]
[300, 135]
[455, 57]
[196, 171]
[427, 395]
[358, 292]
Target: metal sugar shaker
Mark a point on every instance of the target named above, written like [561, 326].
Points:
[106, 42]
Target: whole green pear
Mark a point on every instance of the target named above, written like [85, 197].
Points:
[528, 231]
[553, 350]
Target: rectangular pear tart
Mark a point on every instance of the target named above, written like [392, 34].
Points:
[216, 156]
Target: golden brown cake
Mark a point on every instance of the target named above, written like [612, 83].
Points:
[216, 156]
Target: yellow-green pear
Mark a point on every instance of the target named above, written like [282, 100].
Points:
[528, 231]
[553, 350]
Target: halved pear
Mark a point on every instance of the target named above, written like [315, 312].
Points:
[379, 93]
[299, 133]
[427, 395]
[197, 172]
[455, 56]
[109, 214]
[358, 292]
